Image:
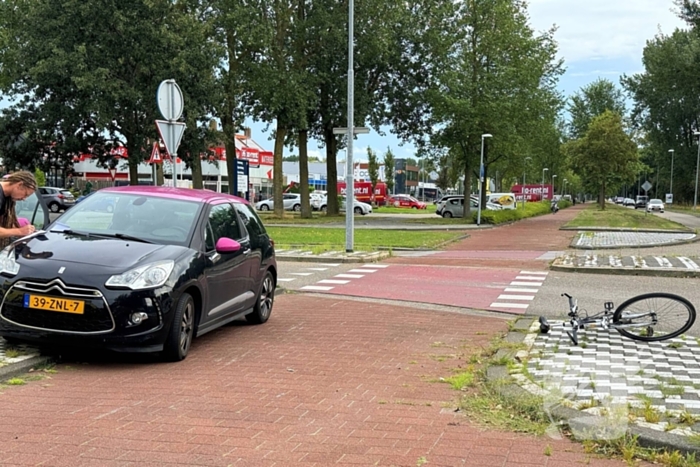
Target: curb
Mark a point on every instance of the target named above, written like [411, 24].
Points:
[370, 258]
[15, 369]
[646, 437]
[652, 245]
[621, 271]
[624, 229]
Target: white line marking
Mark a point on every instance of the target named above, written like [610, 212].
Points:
[317, 269]
[349, 276]
[301, 273]
[544, 273]
[331, 281]
[375, 266]
[362, 270]
[316, 287]
[518, 289]
[538, 284]
[516, 297]
[509, 305]
[330, 264]
[286, 279]
[689, 263]
[529, 278]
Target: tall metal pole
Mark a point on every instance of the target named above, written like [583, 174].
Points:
[672, 154]
[481, 181]
[349, 176]
[542, 185]
[697, 169]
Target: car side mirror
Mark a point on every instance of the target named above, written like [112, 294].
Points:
[227, 245]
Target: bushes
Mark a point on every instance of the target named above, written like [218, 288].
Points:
[532, 209]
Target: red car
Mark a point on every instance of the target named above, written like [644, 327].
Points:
[405, 201]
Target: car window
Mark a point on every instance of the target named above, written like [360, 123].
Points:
[30, 209]
[252, 223]
[223, 222]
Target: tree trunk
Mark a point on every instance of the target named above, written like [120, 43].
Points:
[278, 176]
[134, 159]
[331, 171]
[160, 180]
[197, 172]
[467, 214]
[601, 196]
[304, 174]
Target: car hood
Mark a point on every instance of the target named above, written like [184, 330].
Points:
[110, 253]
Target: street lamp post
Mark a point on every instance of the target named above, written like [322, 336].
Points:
[554, 186]
[542, 185]
[563, 186]
[524, 170]
[671, 189]
[481, 178]
[697, 168]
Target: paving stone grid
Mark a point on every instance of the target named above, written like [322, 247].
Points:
[631, 261]
[623, 239]
[616, 371]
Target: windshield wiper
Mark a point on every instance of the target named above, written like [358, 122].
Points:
[123, 237]
[71, 232]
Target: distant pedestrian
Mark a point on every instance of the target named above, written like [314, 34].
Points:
[17, 186]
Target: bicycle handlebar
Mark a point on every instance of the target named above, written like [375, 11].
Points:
[572, 304]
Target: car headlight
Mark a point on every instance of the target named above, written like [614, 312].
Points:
[143, 277]
[8, 263]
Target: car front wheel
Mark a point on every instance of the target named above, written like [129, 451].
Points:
[181, 331]
[263, 305]
[264, 207]
[54, 207]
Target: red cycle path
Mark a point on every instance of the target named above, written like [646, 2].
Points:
[443, 285]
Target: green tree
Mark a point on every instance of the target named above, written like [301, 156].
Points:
[666, 107]
[593, 100]
[389, 170]
[372, 169]
[501, 80]
[605, 157]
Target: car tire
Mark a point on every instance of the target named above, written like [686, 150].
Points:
[54, 207]
[414, 207]
[264, 207]
[324, 208]
[447, 215]
[297, 207]
[263, 304]
[358, 210]
[177, 345]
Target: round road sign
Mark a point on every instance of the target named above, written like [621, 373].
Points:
[169, 99]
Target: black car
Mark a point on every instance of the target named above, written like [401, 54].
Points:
[165, 265]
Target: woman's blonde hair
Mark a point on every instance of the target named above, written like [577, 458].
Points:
[8, 216]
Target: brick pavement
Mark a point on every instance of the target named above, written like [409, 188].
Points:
[325, 382]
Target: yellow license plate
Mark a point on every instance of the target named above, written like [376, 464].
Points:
[62, 305]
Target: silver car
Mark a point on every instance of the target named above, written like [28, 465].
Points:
[360, 207]
[455, 207]
[291, 201]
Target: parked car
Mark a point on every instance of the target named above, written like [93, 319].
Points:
[359, 206]
[291, 202]
[57, 199]
[405, 201]
[655, 205]
[165, 266]
[455, 207]
[440, 205]
[628, 202]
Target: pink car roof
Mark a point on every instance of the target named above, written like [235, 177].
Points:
[188, 194]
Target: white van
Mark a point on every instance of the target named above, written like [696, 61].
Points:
[506, 200]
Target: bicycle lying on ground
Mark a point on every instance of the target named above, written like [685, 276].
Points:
[648, 317]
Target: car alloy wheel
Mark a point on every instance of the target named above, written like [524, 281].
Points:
[266, 298]
[181, 331]
[264, 207]
[54, 207]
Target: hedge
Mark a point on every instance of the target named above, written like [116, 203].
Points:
[532, 209]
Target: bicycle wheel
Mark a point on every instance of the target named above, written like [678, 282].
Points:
[654, 317]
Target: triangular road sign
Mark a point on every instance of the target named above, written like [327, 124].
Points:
[155, 155]
[171, 133]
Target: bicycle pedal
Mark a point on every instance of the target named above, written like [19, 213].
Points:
[573, 337]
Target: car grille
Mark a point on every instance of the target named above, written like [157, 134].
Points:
[96, 319]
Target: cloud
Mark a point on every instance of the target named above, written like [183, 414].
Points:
[604, 29]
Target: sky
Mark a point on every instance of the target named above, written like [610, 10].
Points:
[597, 39]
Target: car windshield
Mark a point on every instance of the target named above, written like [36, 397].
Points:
[152, 218]
[655, 201]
